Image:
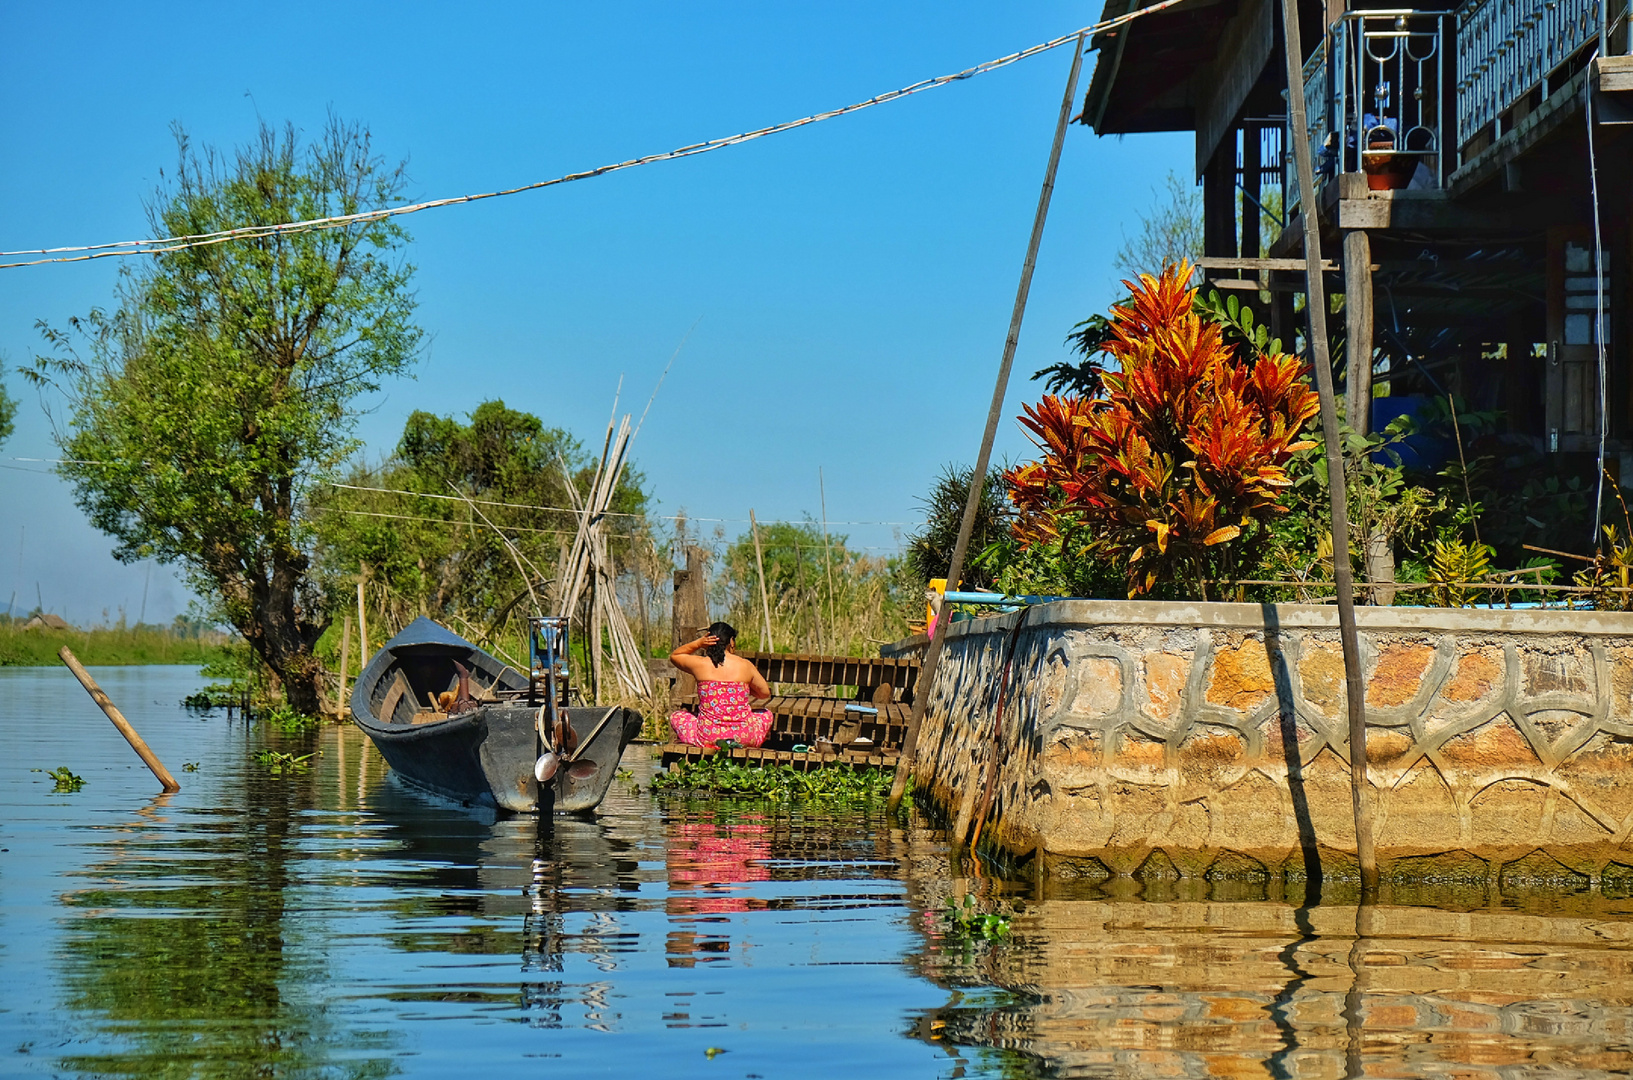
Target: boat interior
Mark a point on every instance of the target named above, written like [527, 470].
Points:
[416, 687]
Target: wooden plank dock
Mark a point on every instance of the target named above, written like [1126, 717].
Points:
[874, 703]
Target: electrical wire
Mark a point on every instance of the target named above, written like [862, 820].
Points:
[165, 245]
[609, 513]
[491, 502]
[769, 544]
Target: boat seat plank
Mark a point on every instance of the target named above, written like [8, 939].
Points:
[394, 695]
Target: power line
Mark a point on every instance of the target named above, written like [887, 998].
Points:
[770, 544]
[164, 245]
[485, 502]
[609, 513]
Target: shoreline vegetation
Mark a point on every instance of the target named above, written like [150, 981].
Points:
[108, 646]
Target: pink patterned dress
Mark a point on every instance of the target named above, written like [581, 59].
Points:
[722, 713]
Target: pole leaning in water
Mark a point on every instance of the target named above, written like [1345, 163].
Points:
[978, 478]
[119, 721]
[1315, 305]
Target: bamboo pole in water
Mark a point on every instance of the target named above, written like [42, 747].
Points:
[932, 655]
[119, 721]
[1315, 306]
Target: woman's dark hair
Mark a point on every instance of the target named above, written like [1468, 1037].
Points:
[726, 636]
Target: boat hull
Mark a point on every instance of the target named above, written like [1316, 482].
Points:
[483, 757]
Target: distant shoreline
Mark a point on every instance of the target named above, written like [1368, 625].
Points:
[103, 647]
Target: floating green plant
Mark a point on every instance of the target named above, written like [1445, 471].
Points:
[722, 776]
[971, 923]
[288, 720]
[280, 763]
[64, 780]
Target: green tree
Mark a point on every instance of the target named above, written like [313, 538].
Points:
[8, 415]
[824, 596]
[203, 408]
[930, 551]
[426, 551]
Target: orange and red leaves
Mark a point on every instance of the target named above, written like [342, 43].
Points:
[1189, 443]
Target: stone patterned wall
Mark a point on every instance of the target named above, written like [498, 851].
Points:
[1211, 739]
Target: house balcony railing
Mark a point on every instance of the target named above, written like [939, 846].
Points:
[1375, 97]
[1508, 48]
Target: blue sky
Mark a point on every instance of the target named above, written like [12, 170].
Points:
[851, 282]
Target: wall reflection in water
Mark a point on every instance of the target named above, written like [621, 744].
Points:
[1110, 987]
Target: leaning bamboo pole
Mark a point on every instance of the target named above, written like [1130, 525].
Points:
[1315, 306]
[932, 655]
[137, 743]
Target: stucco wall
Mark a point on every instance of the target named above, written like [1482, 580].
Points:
[1194, 739]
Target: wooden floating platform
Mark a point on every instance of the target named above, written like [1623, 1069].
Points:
[883, 687]
[877, 758]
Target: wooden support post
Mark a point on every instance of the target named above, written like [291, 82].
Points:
[1252, 167]
[1219, 200]
[1358, 330]
[932, 655]
[759, 567]
[593, 638]
[1343, 586]
[690, 614]
[345, 662]
[119, 721]
[362, 631]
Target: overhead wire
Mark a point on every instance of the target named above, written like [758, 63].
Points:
[165, 245]
[770, 544]
[609, 513]
[488, 502]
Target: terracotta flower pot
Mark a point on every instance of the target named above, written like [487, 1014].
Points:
[1386, 171]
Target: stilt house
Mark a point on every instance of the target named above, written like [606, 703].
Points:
[1461, 152]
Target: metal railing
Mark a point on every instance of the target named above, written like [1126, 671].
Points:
[1373, 92]
[1508, 48]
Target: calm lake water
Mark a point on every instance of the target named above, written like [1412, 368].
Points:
[335, 923]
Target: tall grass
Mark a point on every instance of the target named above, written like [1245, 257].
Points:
[104, 645]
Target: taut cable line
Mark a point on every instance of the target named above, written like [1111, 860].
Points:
[165, 245]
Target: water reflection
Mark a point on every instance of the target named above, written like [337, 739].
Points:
[337, 924]
[1109, 987]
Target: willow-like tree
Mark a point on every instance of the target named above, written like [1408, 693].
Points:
[205, 404]
[8, 415]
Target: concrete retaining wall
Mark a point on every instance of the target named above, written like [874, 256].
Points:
[1164, 739]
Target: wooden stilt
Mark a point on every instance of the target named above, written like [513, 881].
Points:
[362, 631]
[1358, 330]
[1252, 168]
[345, 662]
[1343, 585]
[1219, 200]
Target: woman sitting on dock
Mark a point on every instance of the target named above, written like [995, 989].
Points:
[725, 684]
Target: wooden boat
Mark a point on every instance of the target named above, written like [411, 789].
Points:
[482, 748]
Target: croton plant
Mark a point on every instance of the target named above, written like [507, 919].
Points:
[1176, 468]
